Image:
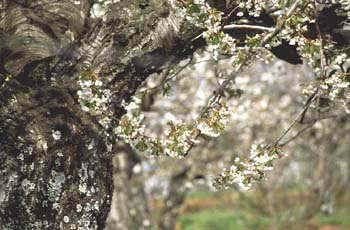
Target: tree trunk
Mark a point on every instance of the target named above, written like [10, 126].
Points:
[174, 199]
[129, 204]
[51, 181]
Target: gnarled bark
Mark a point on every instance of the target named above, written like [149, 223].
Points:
[66, 183]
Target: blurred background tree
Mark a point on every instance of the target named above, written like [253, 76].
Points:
[307, 190]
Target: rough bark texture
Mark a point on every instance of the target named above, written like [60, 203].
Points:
[44, 46]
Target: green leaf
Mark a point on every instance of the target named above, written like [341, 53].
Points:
[194, 8]
[142, 146]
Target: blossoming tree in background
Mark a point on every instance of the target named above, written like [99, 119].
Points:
[294, 34]
[268, 100]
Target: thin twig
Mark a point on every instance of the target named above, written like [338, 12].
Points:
[170, 78]
[249, 27]
[211, 60]
[227, 18]
[236, 26]
[298, 134]
[320, 118]
[310, 124]
[302, 117]
[322, 55]
[323, 60]
[295, 121]
[279, 26]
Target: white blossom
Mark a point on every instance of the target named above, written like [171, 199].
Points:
[56, 134]
[66, 219]
[245, 172]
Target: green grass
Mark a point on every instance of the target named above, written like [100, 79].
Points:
[204, 193]
[227, 214]
[339, 218]
[239, 220]
[218, 220]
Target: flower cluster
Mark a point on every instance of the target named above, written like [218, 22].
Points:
[178, 138]
[245, 172]
[94, 98]
[337, 83]
[200, 14]
[334, 80]
[130, 127]
[56, 134]
[132, 131]
[214, 122]
[332, 77]
[338, 89]
[254, 7]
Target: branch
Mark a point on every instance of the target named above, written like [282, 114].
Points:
[301, 120]
[165, 80]
[323, 60]
[249, 27]
[310, 124]
[279, 26]
[320, 118]
[219, 92]
[295, 121]
[300, 117]
[264, 41]
[298, 134]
